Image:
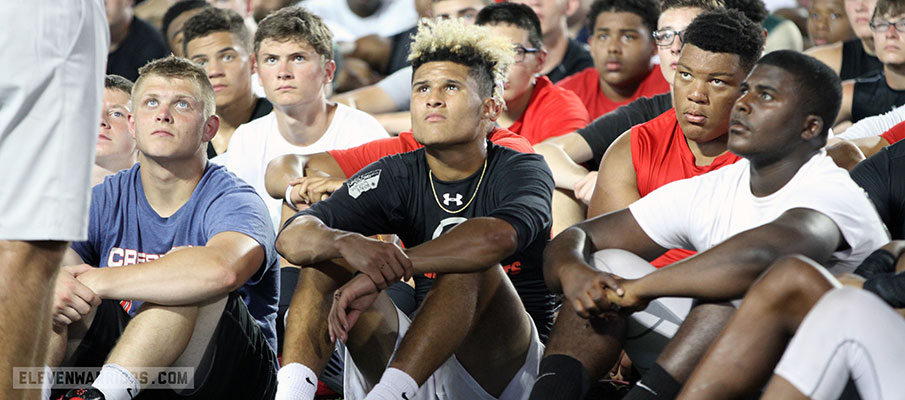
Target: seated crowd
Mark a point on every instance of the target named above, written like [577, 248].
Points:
[476, 199]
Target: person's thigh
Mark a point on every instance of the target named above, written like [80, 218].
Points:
[849, 333]
[52, 58]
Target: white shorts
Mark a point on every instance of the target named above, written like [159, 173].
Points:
[451, 381]
[650, 330]
[52, 62]
[850, 333]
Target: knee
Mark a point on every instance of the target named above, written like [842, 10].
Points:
[850, 304]
[791, 277]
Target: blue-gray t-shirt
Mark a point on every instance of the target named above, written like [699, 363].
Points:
[124, 230]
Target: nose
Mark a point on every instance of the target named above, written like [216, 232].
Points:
[435, 99]
[104, 123]
[283, 72]
[676, 46]
[892, 33]
[214, 69]
[613, 46]
[164, 116]
[742, 103]
[698, 92]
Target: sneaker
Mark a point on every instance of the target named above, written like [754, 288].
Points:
[88, 393]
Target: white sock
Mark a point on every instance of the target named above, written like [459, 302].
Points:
[47, 383]
[296, 382]
[395, 384]
[116, 383]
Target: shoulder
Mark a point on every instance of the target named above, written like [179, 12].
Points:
[507, 138]
[578, 80]
[507, 161]
[655, 127]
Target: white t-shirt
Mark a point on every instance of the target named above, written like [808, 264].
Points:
[393, 17]
[701, 212]
[257, 142]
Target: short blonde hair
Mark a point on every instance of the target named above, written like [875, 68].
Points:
[488, 56]
[173, 67]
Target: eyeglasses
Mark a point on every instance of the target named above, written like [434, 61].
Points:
[666, 37]
[521, 51]
[883, 26]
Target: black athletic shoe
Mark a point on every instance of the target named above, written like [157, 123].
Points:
[88, 393]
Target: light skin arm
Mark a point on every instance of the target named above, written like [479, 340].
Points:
[870, 145]
[283, 169]
[830, 54]
[845, 112]
[395, 122]
[185, 276]
[370, 99]
[617, 183]
[563, 153]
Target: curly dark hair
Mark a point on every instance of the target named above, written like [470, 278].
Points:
[176, 10]
[727, 31]
[516, 14]
[755, 10]
[648, 10]
[819, 87]
[213, 20]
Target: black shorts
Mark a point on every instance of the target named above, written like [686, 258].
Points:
[238, 362]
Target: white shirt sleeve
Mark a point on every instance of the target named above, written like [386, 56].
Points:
[666, 214]
[875, 125]
[399, 87]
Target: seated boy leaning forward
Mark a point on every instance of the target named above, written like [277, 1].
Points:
[785, 197]
[463, 207]
[196, 278]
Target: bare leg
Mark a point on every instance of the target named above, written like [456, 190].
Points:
[567, 211]
[595, 342]
[27, 275]
[700, 328]
[742, 359]
[780, 388]
[477, 316]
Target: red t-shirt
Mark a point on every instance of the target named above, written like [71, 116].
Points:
[354, 159]
[661, 155]
[552, 111]
[586, 84]
[895, 134]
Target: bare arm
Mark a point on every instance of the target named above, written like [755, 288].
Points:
[845, 112]
[370, 99]
[563, 153]
[283, 169]
[617, 183]
[185, 276]
[471, 246]
[871, 145]
[830, 54]
[727, 270]
[395, 122]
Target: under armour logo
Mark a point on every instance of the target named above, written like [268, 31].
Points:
[447, 199]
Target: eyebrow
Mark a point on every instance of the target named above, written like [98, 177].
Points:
[425, 81]
[602, 29]
[710, 75]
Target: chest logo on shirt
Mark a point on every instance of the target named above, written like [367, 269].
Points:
[449, 199]
[363, 183]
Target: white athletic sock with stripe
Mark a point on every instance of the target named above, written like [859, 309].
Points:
[296, 382]
[116, 383]
[395, 384]
[47, 383]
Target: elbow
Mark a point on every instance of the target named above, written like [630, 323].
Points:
[503, 239]
[229, 281]
[284, 248]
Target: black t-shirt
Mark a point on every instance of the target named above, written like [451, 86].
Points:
[402, 44]
[604, 130]
[143, 43]
[856, 63]
[394, 195]
[882, 176]
[262, 108]
[576, 59]
[872, 96]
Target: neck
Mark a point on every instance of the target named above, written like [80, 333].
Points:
[868, 45]
[704, 153]
[515, 108]
[456, 162]
[304, 125]
[555, 42]
[619, 93]
[364, 10]
[895, 76]
[768, 176]
[118, 33]
[168, 184]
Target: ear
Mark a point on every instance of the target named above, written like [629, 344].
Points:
[211, 126]
[254, 65]
[491, 109]
[330, 69]
[813, 125]
[541, 60]
[131, 119]
[572, 7]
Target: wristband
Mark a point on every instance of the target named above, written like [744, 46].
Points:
[287, 198]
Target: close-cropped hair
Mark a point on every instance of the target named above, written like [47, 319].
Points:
[213, 20]
[298, 25]
[488, 57]
[176, 10]
[648, 10]
[515, 14]
[705, 5]
[172, 67]
[819, 88]
[755, 10]
[727, 31]
[889, 8]
[116, 82]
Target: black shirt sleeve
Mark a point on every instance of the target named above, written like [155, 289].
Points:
[370, 202]
[873, 175]
[525, 191]
[601, 133]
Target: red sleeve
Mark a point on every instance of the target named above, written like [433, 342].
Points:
[353, 159]
[894, 134]
[561, 112]
[511, 140]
